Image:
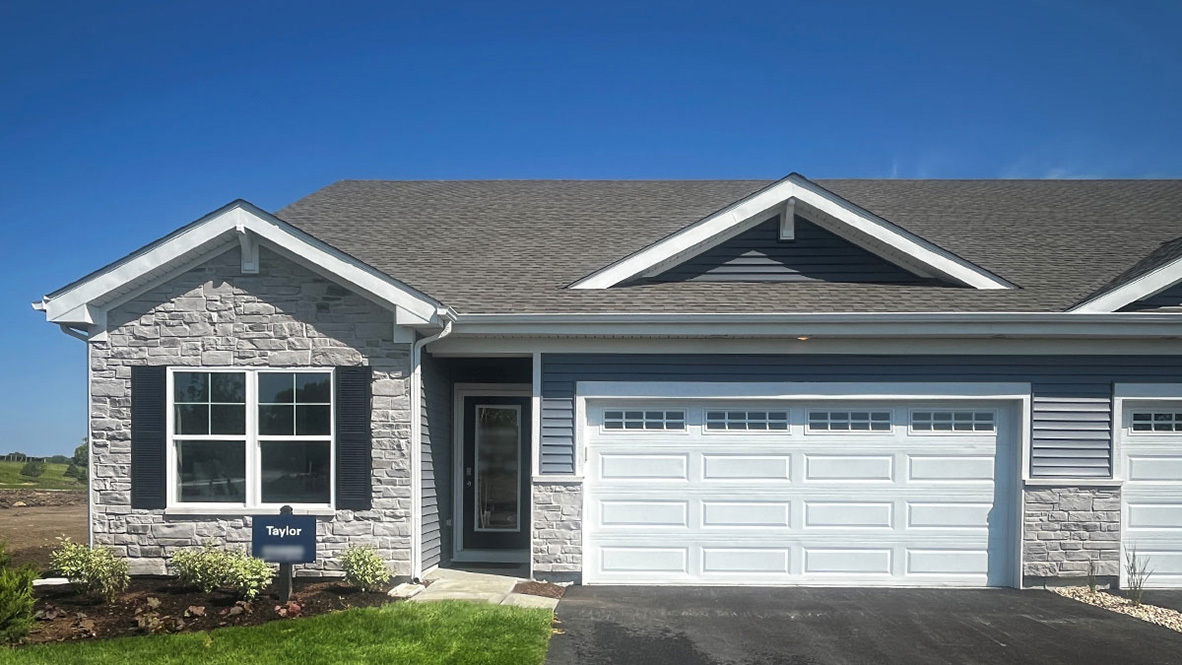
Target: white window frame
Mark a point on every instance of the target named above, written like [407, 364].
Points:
[787, 431]
[253, 443]
[889, 431]
[1131, 425]
[934, 432]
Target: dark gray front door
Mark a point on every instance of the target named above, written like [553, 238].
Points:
[496, 473]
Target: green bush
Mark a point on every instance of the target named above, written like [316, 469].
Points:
[5, 557]
[207, 568]
[211, 568]
[16, 603]
[364, 568]
[95, 572]
[248, 575]
[33, 469]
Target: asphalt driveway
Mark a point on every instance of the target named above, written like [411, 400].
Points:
[809, 626]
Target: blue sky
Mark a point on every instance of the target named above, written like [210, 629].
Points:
[121, 121]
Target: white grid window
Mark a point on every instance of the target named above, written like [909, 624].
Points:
[246, 438]
[638, 420]
[1157, 421]
[952, 421]
[747, 420]
[849, 421]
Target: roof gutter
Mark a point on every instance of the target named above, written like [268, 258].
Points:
[837, 324]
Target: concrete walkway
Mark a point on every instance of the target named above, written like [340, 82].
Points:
[449, 584]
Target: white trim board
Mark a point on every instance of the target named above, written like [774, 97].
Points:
[1151, 283]
[82, 302]
[858, 222]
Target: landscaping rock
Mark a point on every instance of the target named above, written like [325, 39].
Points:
[1161, 616]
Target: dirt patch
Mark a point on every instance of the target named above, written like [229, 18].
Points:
[13, 499]
[544, 589]
[1153, 614]
[158, 605]
[32, 532]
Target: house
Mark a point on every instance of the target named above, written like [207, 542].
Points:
[861, 382]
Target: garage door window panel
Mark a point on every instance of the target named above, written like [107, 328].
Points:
[949, 421]
[742, 420]
[644, 420]
[1160, 422]
[849, 421]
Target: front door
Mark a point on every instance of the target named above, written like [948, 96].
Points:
[495, 473]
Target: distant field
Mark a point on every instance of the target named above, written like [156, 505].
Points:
[53, 479]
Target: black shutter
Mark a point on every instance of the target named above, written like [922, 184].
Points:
[149, 407]
[354, 441]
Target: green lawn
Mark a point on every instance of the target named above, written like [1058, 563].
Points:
[53, 479]
[404, 633]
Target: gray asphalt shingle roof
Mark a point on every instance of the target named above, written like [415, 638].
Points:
[513, 246]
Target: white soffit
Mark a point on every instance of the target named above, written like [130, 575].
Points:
[907, 249]
[240, 223]
[1151, 283]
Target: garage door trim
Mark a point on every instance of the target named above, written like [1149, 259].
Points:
[800, 393]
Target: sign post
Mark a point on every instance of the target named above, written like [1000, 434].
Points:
[285, 539]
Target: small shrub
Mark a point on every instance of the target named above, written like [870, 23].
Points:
[1137, 573]
[207, 568]
[1092, 575]
[248, 576]
[95, 572]
[5, 557]
[364, 568]
[211, 568]
[16, 603]
[33, 469]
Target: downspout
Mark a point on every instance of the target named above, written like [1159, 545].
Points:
[416, 443]
[89, 456]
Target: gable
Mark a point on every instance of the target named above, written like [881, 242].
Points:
[813, 254]
[85, 303]
[795, 194]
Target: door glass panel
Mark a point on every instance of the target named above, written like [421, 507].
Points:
[498, 457]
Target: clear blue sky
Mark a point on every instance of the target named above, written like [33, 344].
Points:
[121, 121]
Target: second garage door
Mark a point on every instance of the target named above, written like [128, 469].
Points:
[790, 493]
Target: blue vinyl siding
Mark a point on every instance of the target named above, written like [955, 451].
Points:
[758, 255]
[1072, 395]
[437, 457]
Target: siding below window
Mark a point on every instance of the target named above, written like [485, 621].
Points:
[436, 413]
[1072, 396]
[815, 255]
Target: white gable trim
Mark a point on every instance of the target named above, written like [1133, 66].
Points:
[239, 222]
[768, 202]
[1151, 283]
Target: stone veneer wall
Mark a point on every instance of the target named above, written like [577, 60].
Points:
[1066, 527]
[215, 316]
[558, 531]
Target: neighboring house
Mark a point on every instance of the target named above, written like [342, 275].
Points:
[863, 382]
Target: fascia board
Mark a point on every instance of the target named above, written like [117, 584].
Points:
[1153, 282]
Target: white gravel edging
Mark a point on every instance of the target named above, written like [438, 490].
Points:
[1161, 616]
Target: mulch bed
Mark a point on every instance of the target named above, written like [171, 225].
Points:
[162, 606]
[540, 589]
[18, 498]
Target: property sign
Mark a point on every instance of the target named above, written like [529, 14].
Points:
[284, 538]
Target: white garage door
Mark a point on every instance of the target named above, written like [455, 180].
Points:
[817, 493]
[1151, 439]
